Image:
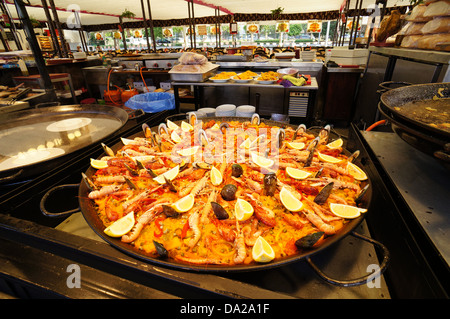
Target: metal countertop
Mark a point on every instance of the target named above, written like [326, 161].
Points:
[423, 182]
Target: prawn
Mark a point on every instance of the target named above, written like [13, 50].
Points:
[239, 244]
[319, 223]
[104, 191]
[193, 224]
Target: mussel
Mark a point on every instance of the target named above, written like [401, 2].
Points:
[89, 183]
[202, 138]
[228, 192]
[107, 150]
[318, 173]
[147, 130]
[162, 128]
[130, 184]
[309, 240]
[224, 125]
[192, 118]
[324, 134]
[255, 119]
[236, 170]
[353, 157]
[169, 211]
[324, 193]
[149, 170]
[219, 211]
[132, 171]
[171, 186]
[156, 140]
[160, 250]
[311, 148]
[300, 129]
[270, 184]
[361, 194]
[202, 165]
[280, 137]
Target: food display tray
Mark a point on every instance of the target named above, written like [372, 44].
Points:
[193, 77]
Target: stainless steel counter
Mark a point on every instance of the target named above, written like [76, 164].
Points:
[422, 181]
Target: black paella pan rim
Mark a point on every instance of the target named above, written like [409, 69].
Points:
[89, 213]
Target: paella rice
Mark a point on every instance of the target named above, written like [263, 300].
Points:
[208, 231]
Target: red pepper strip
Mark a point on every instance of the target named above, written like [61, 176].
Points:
[185, 229]
[158, 227]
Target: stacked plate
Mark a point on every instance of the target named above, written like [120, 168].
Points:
[308, 55]
[207, 111]
[245, 110]
[226, 110]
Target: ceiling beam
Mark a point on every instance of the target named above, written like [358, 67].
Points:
[203, 3]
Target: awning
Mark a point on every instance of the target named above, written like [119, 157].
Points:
[100, 12]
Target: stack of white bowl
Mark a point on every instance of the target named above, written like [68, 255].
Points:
[308, 55]
[245, 110]
[207, 111]
[226, 110]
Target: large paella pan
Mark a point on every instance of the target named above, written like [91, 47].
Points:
[224, 194]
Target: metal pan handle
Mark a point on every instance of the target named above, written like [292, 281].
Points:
[49, 193]
[358, 281]
[135, 114]
[11, 177]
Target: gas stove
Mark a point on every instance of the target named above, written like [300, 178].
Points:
[37, 252]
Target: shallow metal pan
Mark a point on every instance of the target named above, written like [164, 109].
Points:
[88, 210]
[41, 131]
[426, 138]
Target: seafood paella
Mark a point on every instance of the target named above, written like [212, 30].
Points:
[226, 193]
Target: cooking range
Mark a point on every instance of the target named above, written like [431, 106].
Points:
[39, 253]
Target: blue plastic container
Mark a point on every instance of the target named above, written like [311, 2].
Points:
[152, 102]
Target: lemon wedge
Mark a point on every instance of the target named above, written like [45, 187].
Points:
[256, 140]
[261, 161]
[98, 164]
[346, 211]
[328, 158]
[215, 127]
[262, 251]
[297, 173]
[188, 151]
[126, 141]
[121, 226]
[243, 210]
[144, 158]
[246, 144]
[186, 127]
[216, 176]
[171, 125]
[335, 144]
[356, 172]
[290, 202]
[175, 137]
[295, 145]
[184, 204]
[169, 175]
